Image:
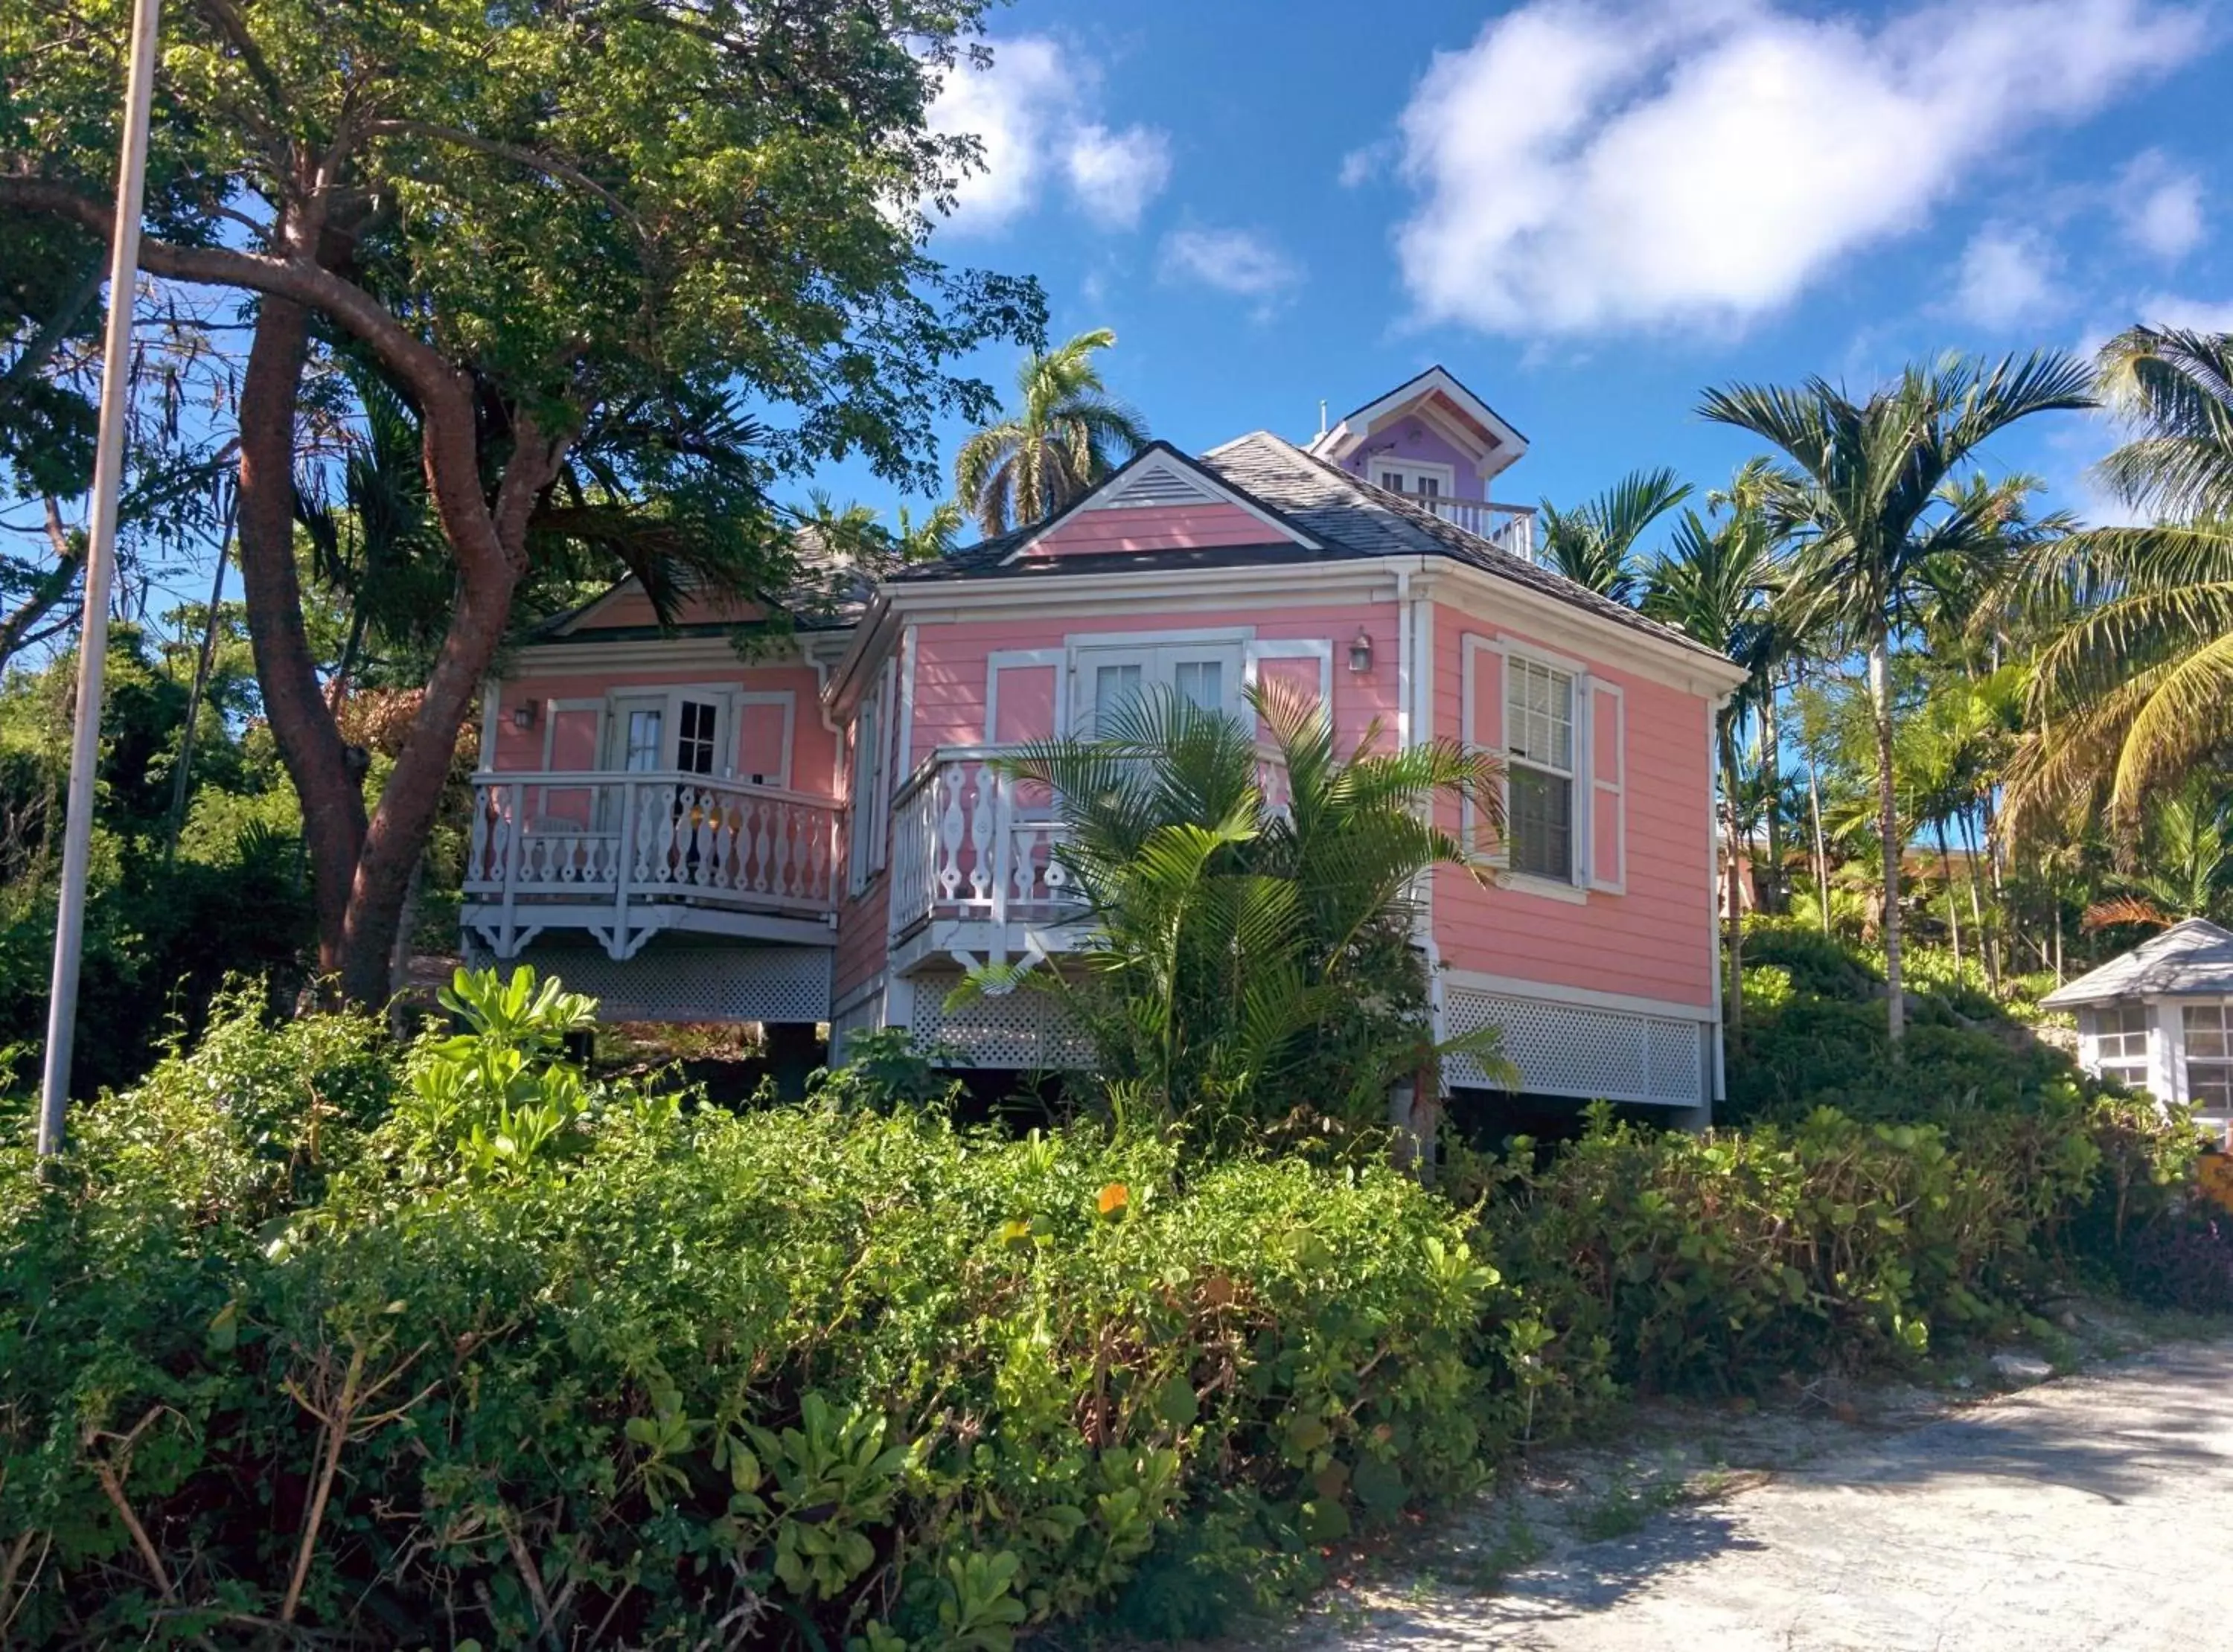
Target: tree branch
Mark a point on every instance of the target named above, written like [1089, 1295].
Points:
[36, 354]
[532, 159]
[419, 364]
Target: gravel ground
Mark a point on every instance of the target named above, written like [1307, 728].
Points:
[2094, 1511]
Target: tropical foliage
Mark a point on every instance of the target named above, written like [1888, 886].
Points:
[1251, 967]
[1065, 433]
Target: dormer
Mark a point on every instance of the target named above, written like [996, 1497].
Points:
[1429, 438]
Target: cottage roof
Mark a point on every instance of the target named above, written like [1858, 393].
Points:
[2190, 959]
[1347, 518]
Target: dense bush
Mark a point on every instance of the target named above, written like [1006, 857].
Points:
[1719, 1261]
[483, 1350]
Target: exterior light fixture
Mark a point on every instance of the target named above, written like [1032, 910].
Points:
[523, 715]
[1360, 651]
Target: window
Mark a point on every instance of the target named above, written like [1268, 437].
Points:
[695, 740]
[863, 842]
[1204, 674]
[1419, 479]
[1539, 724]
[2120, 1043]
[2209, 1060]
[642, 754]
[1113, 686]
[1202, 682]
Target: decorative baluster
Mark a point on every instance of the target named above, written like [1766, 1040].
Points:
[951, 824]
[728, 835]
[985, 819]
[1026, 867]
[667, 801]
[818, 854]
[645, 833]
[703, 809]
[779, 872]
[476, 861]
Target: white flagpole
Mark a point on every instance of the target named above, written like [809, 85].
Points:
[99, 570]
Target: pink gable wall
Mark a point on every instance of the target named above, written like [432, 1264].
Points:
[629, 608]
[1654, 941]
[1183, 527]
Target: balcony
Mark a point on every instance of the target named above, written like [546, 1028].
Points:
[972, 855]
[1508, 527]
[627, 855]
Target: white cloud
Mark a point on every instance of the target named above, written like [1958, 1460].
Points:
[1114, 175]
[1032, 113]
[1232, 261]
[1362, 166]
[2189, 314]
[2160, 205]
[2006, 278]
[1587, 164]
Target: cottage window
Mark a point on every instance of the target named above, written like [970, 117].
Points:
[642, 754]
[696, 739]
[1539, 721]
[2120, 1043]
[2209, 1060]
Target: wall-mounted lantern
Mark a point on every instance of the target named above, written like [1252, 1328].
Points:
[1360, 651]
[523, 715]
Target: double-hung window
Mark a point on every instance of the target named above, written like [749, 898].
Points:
[2209, 1029]
[1206, 674]
[864, 851]
[2120, 1043]
[1539, 724]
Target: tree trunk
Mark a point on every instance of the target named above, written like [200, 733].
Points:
[1733, 882]
[1821, 842]
[1887, 824]
[1986, 945]
[1946, 883]
[1771, 773]
[328, 777]
[205, 662]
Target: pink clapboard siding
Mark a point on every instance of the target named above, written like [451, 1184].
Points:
[863, 920]
[1655, 940]
[951, 662]
[757, 736]
[626, 608]
[1179, 527]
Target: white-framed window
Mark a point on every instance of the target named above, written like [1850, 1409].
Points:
[697, 736]
[2120, 1043]
[1538, 740]
[864, 840]
[2209, 1029]
[1420, 479]
[1207, 674]
[680, 729]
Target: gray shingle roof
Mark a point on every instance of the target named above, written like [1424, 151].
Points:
[1349, 517]
[2190, 959]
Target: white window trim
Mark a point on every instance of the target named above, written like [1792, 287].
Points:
[1471, 647]
[1380, 464]
[1253, 655]
[551, 708]
[787, 698]
[1140, 647]
[1618, 884]
[1026, 659]
[1578, 756]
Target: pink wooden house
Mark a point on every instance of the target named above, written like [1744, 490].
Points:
[809, 831]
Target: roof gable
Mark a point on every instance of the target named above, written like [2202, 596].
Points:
[1436, 395]
[1160, 500]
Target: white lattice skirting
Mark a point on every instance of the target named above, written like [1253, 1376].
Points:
[1580, 1050]
[665, 983]
[1021, 1028]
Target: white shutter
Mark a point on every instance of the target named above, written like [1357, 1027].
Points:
[1606, 739]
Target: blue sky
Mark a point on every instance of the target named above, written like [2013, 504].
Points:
[1589, 211]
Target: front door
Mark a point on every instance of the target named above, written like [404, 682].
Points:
[651, 732]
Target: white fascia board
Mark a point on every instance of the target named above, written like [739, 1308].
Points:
[566, 657]
[1492, 600]
[1191, 471]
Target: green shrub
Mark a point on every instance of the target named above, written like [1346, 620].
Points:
[1720, 1260]
[534, 1359]
[1819, 965]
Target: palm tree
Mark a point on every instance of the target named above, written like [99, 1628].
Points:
[2189, 864]
[1874, 515]
[1067, 434]
[1594, 543]
[1246, 953]
[1715, 584]
[2133, 690]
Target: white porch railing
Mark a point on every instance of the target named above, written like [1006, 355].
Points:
[968, 841]
[593, 835]
[1508, 527]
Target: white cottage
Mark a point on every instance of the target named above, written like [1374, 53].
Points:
[2160, 1019]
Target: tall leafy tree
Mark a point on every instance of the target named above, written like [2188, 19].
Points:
[1065, 433]
[1715, 584]
[1869, 506]
[2133, 690]
[1594, 543]
[627, 260]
